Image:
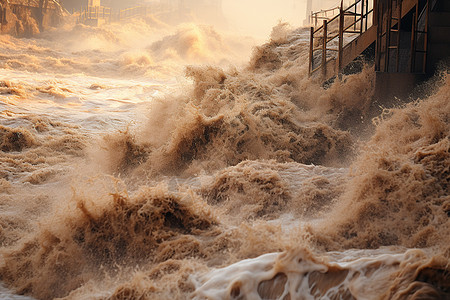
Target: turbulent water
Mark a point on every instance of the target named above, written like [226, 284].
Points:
[144, 161]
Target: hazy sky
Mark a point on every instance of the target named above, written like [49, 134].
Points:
[257, 17]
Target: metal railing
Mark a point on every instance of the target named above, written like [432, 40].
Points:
[325, 14]
[132, 13]
[106, 14]
[50, 5]
[94, 13]
[330, 37]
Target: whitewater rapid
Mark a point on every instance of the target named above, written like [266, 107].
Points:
[143, 163]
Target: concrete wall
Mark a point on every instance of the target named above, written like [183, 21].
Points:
[390, 86]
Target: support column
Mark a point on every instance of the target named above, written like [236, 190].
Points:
[341, 37]
[41, 15]
[309, 11]
[311, 50]
[324, 49]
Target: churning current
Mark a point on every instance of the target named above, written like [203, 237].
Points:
[191, 166]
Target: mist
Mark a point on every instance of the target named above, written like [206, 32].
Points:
[258, 17]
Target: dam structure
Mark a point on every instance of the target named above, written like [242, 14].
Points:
[406, 40]
[29, 17]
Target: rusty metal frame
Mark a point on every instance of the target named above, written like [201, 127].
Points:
[359, 18]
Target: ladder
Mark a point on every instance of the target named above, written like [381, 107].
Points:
[417, 36]
[389, 33]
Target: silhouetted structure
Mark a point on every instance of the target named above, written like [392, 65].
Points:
[28, 17]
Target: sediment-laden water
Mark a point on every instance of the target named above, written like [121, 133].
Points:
[144, 161]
